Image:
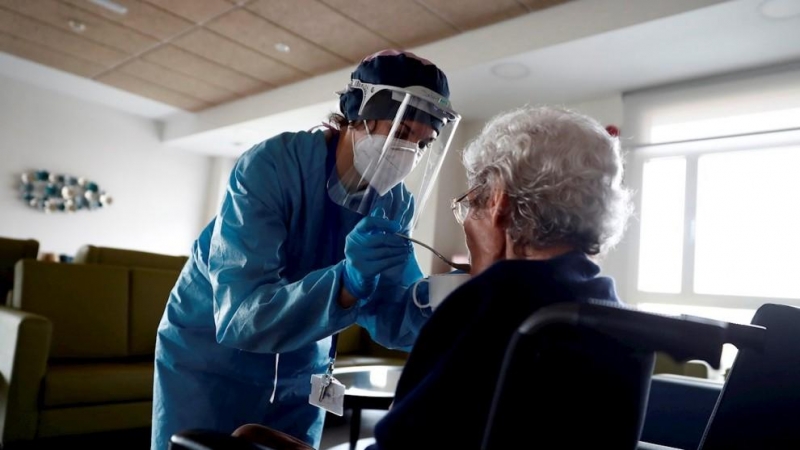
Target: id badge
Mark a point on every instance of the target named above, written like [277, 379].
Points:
[327, 393]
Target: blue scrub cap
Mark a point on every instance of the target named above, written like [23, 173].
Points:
[394, 68]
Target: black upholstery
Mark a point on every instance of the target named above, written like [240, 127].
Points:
[759, 406]
[575, 376]
[579, 374]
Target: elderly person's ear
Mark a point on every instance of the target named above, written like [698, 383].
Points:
[498, 207]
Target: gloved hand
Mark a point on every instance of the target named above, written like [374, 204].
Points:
[371, 248]
[397, 205]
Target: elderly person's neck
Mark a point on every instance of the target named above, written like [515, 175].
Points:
[538, 254]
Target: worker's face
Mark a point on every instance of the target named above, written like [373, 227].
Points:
[415, 132]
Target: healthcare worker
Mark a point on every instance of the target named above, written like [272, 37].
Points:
[303, 246]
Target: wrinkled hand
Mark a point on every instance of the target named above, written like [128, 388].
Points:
[370, 249]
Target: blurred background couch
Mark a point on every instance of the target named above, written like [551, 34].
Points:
[77, 340]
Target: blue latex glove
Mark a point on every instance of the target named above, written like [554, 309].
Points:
[397, 205]
[372, 248]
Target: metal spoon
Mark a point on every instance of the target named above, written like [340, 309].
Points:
[455, 265]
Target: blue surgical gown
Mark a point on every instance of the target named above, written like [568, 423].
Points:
[251, 316]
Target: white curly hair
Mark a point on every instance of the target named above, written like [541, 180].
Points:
[562, 173]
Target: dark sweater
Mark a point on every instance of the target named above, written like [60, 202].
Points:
[445, 392]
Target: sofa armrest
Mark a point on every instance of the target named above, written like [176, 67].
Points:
[24, 349]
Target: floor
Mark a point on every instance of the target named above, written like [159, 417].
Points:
[336, 433]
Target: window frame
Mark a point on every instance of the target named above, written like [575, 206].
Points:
[692, 151]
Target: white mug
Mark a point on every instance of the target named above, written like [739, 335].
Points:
[439, 287]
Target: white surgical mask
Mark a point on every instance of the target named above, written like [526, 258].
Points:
[383, 174]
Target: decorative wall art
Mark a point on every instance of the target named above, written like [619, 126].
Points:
[54, 192]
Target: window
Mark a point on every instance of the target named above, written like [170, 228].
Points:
[661, 244]
[720, 218]
[715, 168]
[747, 233]
[719, 228]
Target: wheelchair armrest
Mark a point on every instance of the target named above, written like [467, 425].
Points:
[682, 337]
[211, 440]
[648, 446]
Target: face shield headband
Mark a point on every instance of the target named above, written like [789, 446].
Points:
[403, 129]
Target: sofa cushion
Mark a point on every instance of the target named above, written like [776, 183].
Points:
[150, 290]
[89, 254]
[349, 340]
[87, 304]
[108, 417]
[97, 383]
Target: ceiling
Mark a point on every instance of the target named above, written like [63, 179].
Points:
[514, 53]
[196, 54]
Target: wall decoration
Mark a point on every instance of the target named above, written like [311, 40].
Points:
[54, 192]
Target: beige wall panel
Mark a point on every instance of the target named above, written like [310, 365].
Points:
[331, 30]
[237, 57]
[146, 89]
[469, 14]
[177, 82]
[195, 10]
[203, 69]
[60, 41]
[257, 33]
[43, 55]
[98, 29]
[142, 17]
[403, 21]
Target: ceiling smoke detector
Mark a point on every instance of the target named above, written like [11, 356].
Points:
[780, 9]
[111, 6]
[283, 48]
[510, 70]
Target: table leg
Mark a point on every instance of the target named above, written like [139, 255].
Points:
[355, 427]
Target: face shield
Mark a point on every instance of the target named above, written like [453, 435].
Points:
[399, 144]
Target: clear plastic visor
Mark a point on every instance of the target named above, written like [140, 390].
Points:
[400, 131]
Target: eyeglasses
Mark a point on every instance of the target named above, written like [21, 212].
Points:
[460, 205]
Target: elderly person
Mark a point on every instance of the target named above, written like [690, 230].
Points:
[545, 199]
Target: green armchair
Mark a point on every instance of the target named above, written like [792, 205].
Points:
[77, 343]
[11, 251]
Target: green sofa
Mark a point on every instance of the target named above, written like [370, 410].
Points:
[356, 348]
[77, 343]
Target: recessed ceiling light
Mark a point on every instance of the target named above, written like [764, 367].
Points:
[510, 70]
[780, 9]
[283, 48]
[77, 26]
[111, 6]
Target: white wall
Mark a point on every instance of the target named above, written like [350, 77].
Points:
[448, 237]
[159, 193]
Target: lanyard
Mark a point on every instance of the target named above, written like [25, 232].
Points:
[332, 222]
